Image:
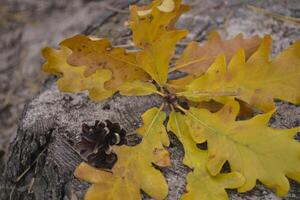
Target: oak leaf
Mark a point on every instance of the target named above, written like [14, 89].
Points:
[154, 32]
[99, 54]
[73, 78]
[155, 63]
[256, 81]
[251, 147]
[134, 169]
[92, 57]
[196, 59]
[149, 23]
[201, 185]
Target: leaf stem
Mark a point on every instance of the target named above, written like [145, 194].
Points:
[159, 93]
[210, 93]
[177, 125]
[277, 16]
[186, 64]
[196, 118]
[122, 60]
[180, 108]
[153, 120]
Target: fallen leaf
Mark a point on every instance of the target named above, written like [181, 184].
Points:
[99, 54]
[196, 59]
[155, 59]
[251, 147]
[256, 81]
[201, 185]
[149, 23]
[72, 78]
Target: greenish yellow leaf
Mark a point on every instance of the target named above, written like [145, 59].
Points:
[134, 170]
[251, 147]
[256, 81]
[153, 31]
[155, 59]
[72, 78]
[153, 128]
[149, 23]
[201, 185]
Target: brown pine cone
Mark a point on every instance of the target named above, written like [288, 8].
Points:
[97, 141]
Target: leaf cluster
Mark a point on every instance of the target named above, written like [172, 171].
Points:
[226, 81]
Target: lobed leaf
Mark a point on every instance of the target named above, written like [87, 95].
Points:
[134, 170]
[256, 81]
[155, 59]
[251, 147]
[99, 54]
[201, 185]
[73, 79]
[154, 32]
[92, 57]
[195, 59]
[149, 23]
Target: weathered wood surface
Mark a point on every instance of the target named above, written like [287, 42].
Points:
[26, 27]
[51, 121]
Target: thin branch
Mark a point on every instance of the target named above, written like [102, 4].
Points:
[19, 178]
[114, 9]
[211, 93]
[277, 16]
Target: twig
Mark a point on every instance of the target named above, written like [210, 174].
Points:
[130, 45]
[123, 46]
[32, 164]
[19, 178]
[277, 16]
[132, 50]
[114, 9]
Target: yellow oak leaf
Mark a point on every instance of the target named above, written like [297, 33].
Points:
[201, 185]
[99, 54]
[196, 59]
[73, 79]
[251, 147]
[256, 81]
[134, 170]
[153, 126]
[155, 58]
[246, 111]
[148, 23]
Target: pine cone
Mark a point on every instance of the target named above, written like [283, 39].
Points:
[97, 141]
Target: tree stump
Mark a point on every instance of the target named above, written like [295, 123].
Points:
[41, 159]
